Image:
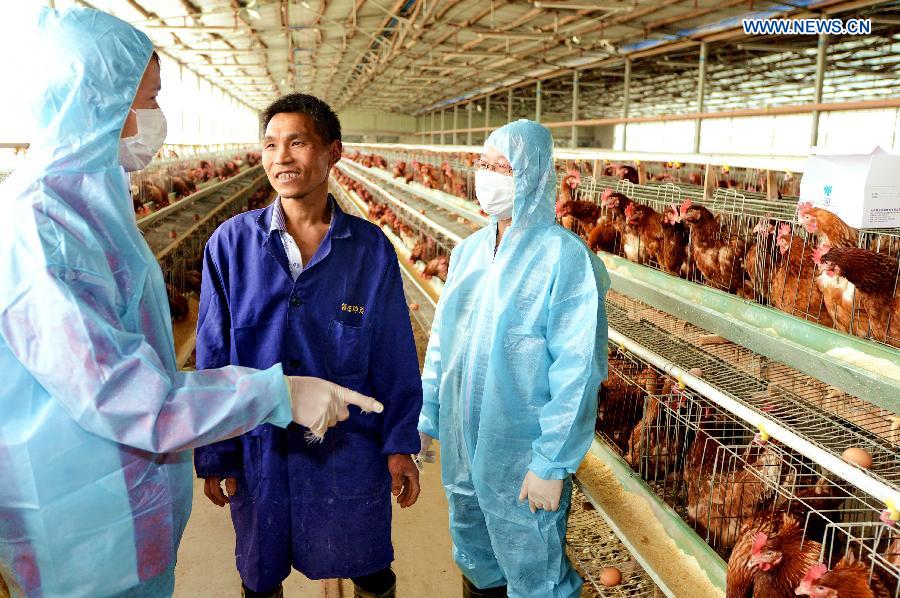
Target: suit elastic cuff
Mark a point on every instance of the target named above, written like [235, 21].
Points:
[282, 412]
[428, 426]
[548, 470]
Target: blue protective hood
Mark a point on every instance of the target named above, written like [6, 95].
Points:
[95, 416]
[529, 148]
[89, 65]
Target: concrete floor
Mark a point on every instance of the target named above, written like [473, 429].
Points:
[423, 561]
[424, 565]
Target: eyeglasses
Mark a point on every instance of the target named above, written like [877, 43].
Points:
[498, 168]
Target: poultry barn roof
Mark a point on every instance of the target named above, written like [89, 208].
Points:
[414, 56]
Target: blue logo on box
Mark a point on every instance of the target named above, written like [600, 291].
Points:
[827, 190]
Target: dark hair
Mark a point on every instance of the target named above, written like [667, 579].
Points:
[155, 56]
[323, 117]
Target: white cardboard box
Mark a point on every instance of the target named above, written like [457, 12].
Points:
[862, 189]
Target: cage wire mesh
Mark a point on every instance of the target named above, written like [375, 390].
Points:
[593, 546]
[716, 472]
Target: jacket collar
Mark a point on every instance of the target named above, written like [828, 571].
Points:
[268, 220]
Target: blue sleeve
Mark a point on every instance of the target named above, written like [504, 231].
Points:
[221, 459]
[66, 320]
[576, 339]
[394, 365]
[429, 419]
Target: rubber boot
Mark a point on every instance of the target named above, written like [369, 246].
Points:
[470, 591]
[248, 593]
[361, 593]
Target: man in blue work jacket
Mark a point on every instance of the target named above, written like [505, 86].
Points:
[304, 284]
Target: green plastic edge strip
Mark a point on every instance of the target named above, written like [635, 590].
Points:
[780, 336]
[675, 527]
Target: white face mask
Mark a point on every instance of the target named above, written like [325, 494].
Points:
[137, 151]
[495, 193]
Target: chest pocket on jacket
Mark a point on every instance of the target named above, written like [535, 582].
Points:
[348, 349]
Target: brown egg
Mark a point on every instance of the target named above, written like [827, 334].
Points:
[610, 576]
[696, 372]
[173, 234]
[858, 456]
[414, 306]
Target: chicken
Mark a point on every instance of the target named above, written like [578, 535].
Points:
[584, 212]
[663, 239]
[654, 444]
[568, 184]
[603, 237]
[717, 255]
[418, 252]
[827, 227]
[399, 170]
[193, 280]
[722, 500]
[429, 178]
[178, 304]
[849, 579]
[874, 276]
[892, 554]
[181, 187]
[460, 187]
[439, 267]
[446, 178]
[616, 204]
[770, 558]
[621, 400]
[628, 173]
[151, 192]
[793, 286]
[758, 262]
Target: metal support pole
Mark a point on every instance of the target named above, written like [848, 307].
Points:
[537, 105]
[701, 93]
[575, 85]
[487, 115]
[625, 99]
[432, 127]
[820, 82]
[442, 125]
[509, 111]
[469, 132]
[455, 121]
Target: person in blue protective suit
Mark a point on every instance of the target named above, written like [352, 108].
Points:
[95, 419]
[514, 363]
[306, 284]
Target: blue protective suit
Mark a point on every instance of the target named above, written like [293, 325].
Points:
[95, 419]
[515, 359]
[323, 508]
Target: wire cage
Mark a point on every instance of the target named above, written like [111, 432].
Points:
[178, 238]
[722, 477]
[873, 546]
[172, 179]
[768, 252]
[428, 248]
[737, 241]
[593, 546]
[450, 172]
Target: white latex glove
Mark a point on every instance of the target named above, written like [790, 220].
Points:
[541, 493]
[426, 453]
[319, 404]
